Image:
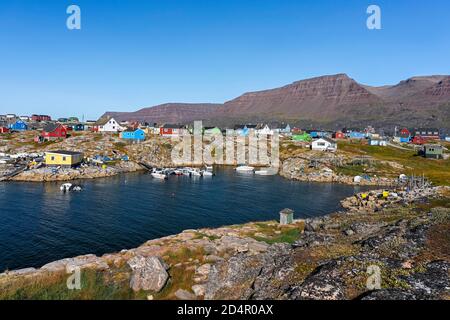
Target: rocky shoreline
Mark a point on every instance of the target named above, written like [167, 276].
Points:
[46, 174]
[403, 236]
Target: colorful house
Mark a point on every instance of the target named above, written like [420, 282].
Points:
[209, 131]
[302, 137]
[131, 134]
[241, 130]
[78, 127]
[338, 135]
[324, 144]
[19, 125]
[377, 142]
[427, 133]
[433, 151]
[356, 135]
[63, 158]
[107, 125]
[404, 136]
[317, 133]
[171, 130]
[4, 130]
[419, 140]
[54, 131]
[40, 117]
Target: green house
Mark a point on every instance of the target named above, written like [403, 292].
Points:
[433, 151]
[212, 131]
[302, 137]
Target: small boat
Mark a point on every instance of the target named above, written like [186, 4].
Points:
[209, 168]
[66, 187]
[159, 174]
[206, 173]
[186, 171]
[245, 169]
[178, 172]
[266, 172]
[195, 172]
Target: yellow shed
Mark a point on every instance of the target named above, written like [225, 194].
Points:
[63, 158]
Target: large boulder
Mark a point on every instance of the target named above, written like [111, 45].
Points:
[149, 273]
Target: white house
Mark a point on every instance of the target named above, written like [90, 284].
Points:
[264, 130]
[108, 125]
[324, 144]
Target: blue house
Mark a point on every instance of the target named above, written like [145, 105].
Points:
[315, 134]
[138, 135]
[19, 125]
[78, 127]
[357, 135]
[241, 130]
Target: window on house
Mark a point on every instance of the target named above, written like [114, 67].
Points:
[64, 158]
[53, 158]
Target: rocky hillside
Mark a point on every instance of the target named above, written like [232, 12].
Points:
[168, 113]
[403, 238]
[328, 101]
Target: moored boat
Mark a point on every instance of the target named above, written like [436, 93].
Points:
[245, 169]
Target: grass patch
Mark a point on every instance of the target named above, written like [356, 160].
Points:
[438, 171]
[288, 236]
[95, 285]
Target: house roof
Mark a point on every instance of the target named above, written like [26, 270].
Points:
[67, 153]
[172, 126]
[432, 130]
[103, 121]
[51, 127]
[327, 139]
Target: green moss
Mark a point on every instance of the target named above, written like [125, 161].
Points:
[288, 236]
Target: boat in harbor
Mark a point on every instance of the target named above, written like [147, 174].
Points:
[245, 169]
[159, 174]
[206, 173]
[66, 187]
[209, 168]
[195, 172]
[266, 172]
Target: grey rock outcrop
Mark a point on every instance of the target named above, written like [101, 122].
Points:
[149, 273]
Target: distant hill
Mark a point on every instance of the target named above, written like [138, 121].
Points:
[328, 101]
[168, 113]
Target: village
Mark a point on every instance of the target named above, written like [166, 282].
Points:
[37, 148]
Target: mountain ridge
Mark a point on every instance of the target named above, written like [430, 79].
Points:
[328, 101]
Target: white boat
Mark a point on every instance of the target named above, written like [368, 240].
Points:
[209, 168]
[159, 174]
[66, 187]
[195, 172]
[186, 171]
[245, 169]
[178, 172]
[205, 173]
[265, 172]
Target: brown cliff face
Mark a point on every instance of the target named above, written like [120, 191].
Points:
[322, 98]
[168, 113]
[327, 101]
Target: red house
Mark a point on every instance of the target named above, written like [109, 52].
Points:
[405, 133]
[171, 130]
[54, 131]
[4, 130]
[419, 140]
[339, 135]
[39, 118]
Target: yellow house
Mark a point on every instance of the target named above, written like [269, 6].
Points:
[63, 158]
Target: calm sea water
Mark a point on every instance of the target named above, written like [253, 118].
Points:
[40, 224]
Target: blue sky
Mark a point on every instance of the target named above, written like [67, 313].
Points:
[134, 54]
